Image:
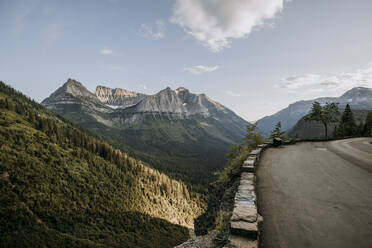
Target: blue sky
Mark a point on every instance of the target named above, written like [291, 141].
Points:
[252, 56]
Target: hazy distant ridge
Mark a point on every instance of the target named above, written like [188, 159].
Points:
[359, 98]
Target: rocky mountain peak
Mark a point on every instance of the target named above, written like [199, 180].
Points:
[104, 91]
[181, 90]
[74, 87]
[117, 96]
[358, 92]
[69, 93]
[180, 102]
[72, 82]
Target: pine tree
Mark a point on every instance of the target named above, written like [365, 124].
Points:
[326, 114]
[277, 133]
[367, 130]
[253, 137]
[347, 125]
[360, 126]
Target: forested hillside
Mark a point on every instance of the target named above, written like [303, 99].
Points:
[62, 186]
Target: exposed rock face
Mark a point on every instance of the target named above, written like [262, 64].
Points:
[118, 97]
[77, 103]
[73, 92]
[359, 98]
[180, 103]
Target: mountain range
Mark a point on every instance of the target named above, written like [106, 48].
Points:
[359, 98]
[184, 134]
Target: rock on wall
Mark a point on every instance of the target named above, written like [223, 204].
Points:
[245, 218]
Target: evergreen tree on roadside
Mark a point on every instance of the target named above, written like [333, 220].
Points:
[251, 140]
[347, 126]
[253, 137]
[326, 114]
[276, 132]
[367, 130]
[360, 127]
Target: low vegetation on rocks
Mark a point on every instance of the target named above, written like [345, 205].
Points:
[222, 192]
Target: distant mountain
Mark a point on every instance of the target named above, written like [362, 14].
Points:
[62, 186]
[359, 98]
[184, 134]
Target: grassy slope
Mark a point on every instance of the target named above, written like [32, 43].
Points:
[57, 194]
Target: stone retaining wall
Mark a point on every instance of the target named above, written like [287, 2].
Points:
[245, 218]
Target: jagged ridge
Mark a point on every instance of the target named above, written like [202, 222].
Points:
[118, 97]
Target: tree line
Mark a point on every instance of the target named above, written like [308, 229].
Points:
[347, 126]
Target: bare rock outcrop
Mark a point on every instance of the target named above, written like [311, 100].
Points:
[118, 97]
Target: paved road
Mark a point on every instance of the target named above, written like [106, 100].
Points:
[317, 195]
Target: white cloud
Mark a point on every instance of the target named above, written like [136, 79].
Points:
[312, 83]
[300, 81]
[106, 51]
[153, 31]
[199, 69]
[231, 93]
[215, 22]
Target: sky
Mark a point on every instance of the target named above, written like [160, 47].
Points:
[253, 56]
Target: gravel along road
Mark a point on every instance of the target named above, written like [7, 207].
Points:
[317, 194]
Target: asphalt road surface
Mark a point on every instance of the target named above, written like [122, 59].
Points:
[317, 195]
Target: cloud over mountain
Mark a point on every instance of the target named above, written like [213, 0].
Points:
[361, 77]
[215, 22]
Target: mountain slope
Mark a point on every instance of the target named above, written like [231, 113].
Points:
[359, 98]
[64, 187]
[183, 134]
